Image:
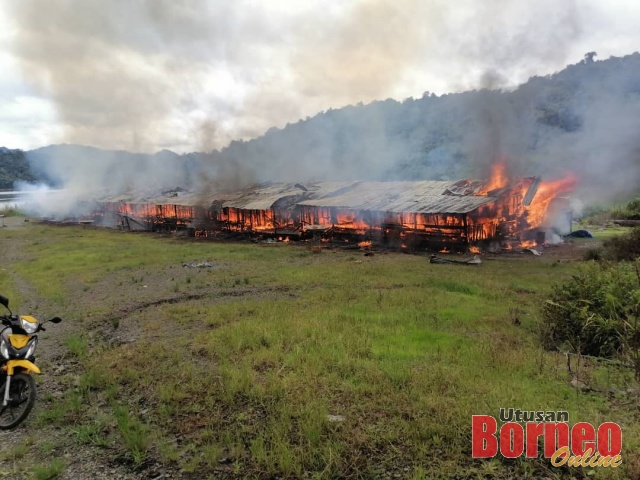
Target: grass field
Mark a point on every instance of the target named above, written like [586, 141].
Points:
[281, 362]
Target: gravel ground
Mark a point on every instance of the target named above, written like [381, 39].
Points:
[46, 443]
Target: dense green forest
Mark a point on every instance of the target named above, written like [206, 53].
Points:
[14, 167]
[583, 119]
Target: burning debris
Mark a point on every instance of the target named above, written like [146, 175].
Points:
[447, 215]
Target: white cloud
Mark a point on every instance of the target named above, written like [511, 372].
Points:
[26, 121]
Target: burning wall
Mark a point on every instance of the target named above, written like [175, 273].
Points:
[411, 213]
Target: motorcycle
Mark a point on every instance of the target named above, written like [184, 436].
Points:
[17, 347]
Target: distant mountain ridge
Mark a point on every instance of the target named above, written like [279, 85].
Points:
[584, 118]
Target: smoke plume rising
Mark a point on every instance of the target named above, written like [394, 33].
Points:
[147, 75]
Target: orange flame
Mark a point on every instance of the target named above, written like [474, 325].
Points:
[505, 217]
[498, 178]
[547, 191]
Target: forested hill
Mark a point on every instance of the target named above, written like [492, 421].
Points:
[14, 167]
[584, 118]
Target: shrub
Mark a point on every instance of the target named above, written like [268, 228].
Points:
[623, 247]
[598, 215]
[631, 211]
[596, 312]
[595, 253]
[634, 205]
[11, 212]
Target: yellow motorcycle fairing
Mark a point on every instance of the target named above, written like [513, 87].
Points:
[25, 364]
[18, 341]
[29, 318]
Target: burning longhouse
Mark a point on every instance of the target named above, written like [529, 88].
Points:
[401, 214]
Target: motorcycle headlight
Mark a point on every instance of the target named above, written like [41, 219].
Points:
[4, 349]
[32, 347]
[29, 324]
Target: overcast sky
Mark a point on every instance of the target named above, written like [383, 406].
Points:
[194, 75]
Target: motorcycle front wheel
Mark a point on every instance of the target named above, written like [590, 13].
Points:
[22, 393]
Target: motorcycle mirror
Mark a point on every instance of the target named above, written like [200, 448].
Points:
[4, 301]
[55, 320]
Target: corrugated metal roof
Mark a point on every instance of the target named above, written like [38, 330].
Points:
[172, 198]
[427, 196]
[264, 197]
[261, 197]
[411, 197]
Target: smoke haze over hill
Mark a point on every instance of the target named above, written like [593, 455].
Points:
[582, 120]
[143, 76]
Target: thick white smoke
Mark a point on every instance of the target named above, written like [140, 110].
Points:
[146, 75]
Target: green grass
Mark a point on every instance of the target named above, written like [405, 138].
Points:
[17, 452]
[135, 434]
[77, 345]
[246, 362]
[50, 470]
[609, 232]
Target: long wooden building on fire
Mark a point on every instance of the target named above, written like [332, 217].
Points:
[414, 213]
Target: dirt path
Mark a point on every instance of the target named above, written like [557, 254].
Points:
[31, 444]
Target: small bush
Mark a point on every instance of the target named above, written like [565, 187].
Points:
[595, 253]
[595, 313]
[634, 205]
[11, 212]
[600, 215]
[623, 247]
